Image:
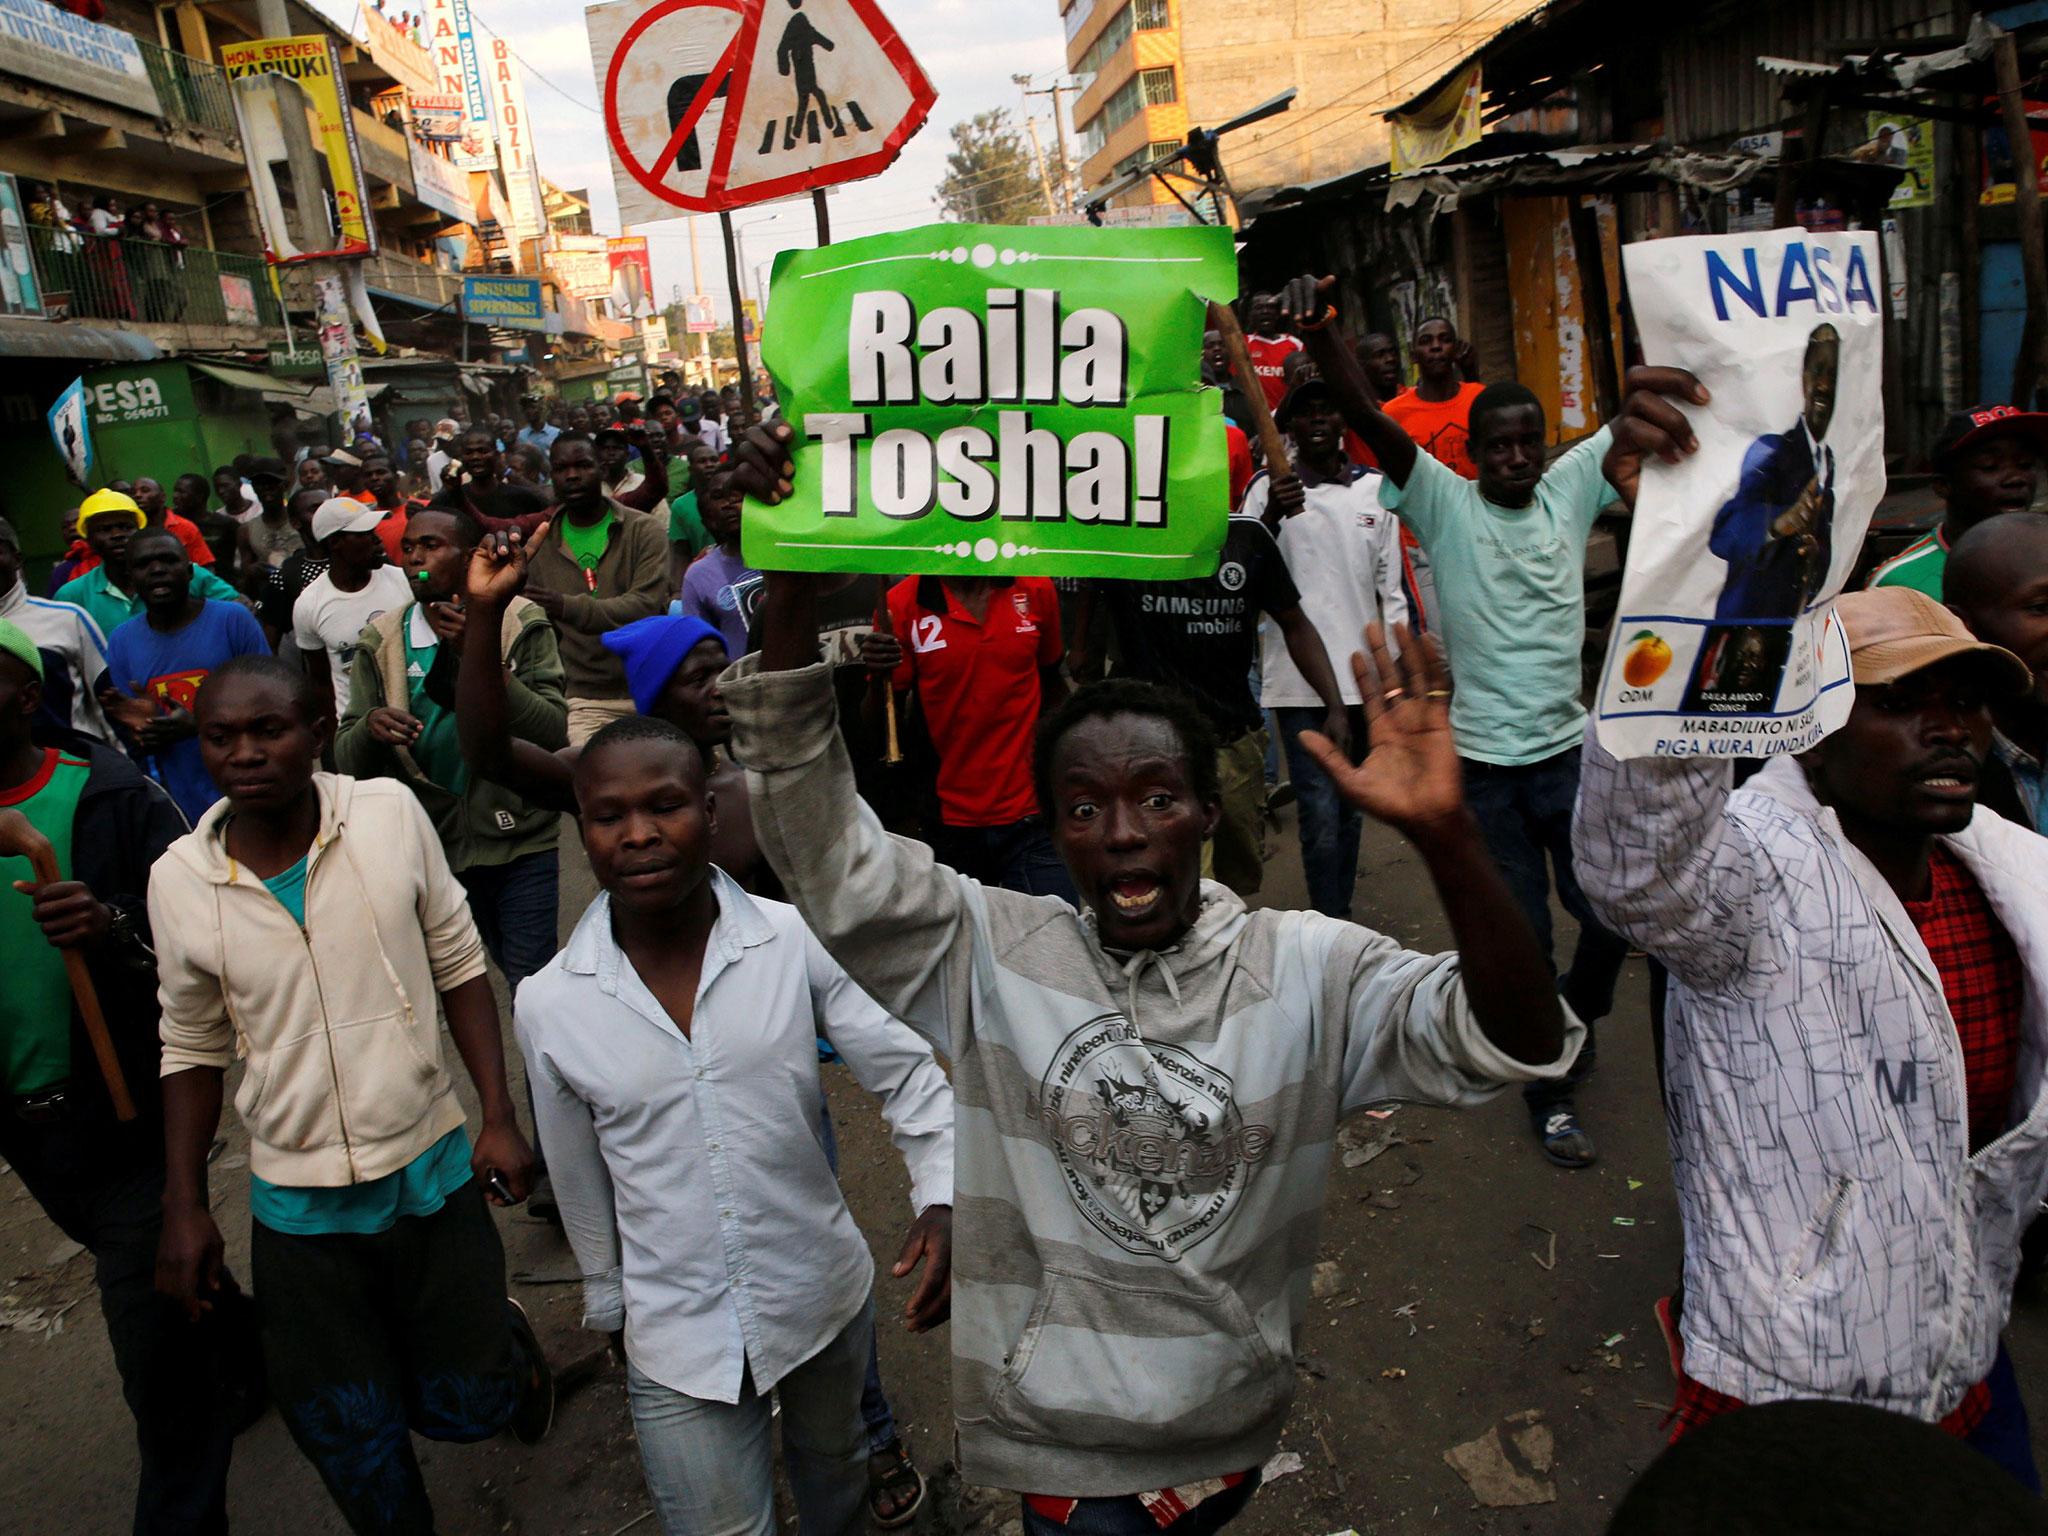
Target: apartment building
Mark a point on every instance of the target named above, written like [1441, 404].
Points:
[1151, 69]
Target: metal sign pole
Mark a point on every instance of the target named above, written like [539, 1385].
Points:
[739, 320]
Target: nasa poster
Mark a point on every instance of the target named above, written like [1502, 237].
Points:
[1723, 645]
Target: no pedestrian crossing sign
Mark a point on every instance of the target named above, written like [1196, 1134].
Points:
[718, 104]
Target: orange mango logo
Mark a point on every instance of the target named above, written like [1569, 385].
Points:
[1649, 658]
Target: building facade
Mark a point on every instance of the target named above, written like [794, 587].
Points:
[1151, 69]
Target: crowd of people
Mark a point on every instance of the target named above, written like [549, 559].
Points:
[300, 734]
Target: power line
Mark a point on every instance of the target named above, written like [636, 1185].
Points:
[543, 79]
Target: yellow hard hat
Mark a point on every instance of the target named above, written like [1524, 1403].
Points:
[109, 501]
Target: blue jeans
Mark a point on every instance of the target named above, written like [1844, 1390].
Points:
[710, 1466]
[2004, 1435]
[1329, 827]
[515, 906]
[1017, 857]
[1525, 815]
[1125, 1516]
[875, 1411]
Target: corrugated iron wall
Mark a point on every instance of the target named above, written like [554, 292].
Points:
[1713, 89]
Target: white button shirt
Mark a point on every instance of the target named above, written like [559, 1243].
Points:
[691, 1172]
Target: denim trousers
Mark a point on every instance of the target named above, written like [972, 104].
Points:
[371, 1338]
[1329, 827]
[710, 1466]
[515, 906]
[1016, 857]
[875, 1411]
[1525, 815]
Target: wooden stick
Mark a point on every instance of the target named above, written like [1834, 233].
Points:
[1224, 321]
[20, 839]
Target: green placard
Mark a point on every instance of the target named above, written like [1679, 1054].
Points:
[996, 400]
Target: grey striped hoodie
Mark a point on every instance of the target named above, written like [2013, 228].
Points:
[1142, 1141]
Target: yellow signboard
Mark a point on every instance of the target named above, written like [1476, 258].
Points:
[1440, 127]
[314, 64]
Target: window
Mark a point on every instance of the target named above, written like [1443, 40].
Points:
[1111, 38]
[1158, 86]
[1158, 149]
[1152, 16]
[1116, 111]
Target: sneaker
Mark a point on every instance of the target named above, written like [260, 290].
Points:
[535, 1414]
[1565, 1141]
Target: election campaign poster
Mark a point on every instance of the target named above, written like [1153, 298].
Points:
[1724, 643]
[997, 400]
[315, 65]
[72, 433]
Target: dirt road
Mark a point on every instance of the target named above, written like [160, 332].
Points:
[1447, 1309]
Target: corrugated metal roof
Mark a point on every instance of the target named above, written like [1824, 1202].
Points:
[21, 336]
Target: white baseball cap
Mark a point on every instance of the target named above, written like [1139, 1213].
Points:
[344, 514]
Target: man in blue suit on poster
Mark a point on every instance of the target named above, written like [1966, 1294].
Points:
[1777, 535]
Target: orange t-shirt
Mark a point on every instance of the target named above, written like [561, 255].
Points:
[1440, 427]
[1241, 468]
[188, 535]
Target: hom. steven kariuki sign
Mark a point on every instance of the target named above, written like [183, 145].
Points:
[989, 400]
[1724, 644]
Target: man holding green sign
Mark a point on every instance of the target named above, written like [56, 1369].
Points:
[996, 401]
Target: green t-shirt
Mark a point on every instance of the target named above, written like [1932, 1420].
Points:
[420, 1188]
[586, 546]
[439, 749]
[35, 1004]
[290, 890]
[685, 527]
[111, 607]
[1920, 566]
[1511, 595]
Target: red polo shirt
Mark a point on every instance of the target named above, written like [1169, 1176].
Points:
[979, 686]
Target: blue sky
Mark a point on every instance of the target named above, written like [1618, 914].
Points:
[969, 48]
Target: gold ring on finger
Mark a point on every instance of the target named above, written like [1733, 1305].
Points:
[1438, 693]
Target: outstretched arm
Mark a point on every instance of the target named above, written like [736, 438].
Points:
[1307, 301]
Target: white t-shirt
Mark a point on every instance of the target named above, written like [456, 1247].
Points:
[437, 466]
[1343, 550]
[325, 618]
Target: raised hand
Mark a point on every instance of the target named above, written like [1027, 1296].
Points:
[1650, 426]
[1410, 779]
[497, 566]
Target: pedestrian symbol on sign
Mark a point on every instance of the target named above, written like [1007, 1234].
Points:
[717, 104]
[797, 56]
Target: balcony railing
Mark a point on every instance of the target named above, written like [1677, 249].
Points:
[192, 91]
[142, 281]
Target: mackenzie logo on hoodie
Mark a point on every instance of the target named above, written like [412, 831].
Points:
[1148, 1136]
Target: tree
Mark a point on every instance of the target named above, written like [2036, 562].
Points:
[990, 176]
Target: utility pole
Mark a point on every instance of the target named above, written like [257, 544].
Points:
[696, 288]
[332, 315]
[1065, 201]
[1038, 156]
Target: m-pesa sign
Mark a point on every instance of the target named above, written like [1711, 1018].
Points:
[718, 104]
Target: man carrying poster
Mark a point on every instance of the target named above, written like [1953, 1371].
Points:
[1776, 533]
[1857, 979]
